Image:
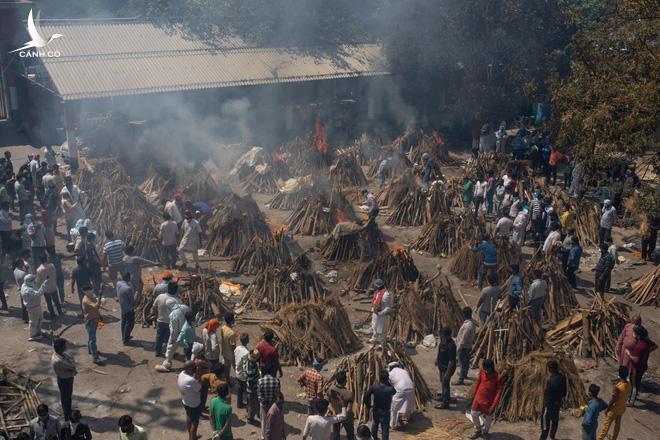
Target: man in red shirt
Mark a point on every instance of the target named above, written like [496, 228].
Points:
[269, 353]
[312, 381]
[487, 393]
[638, 359]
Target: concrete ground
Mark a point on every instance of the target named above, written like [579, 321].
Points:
[128, 384]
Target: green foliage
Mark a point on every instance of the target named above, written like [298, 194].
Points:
[609, 104]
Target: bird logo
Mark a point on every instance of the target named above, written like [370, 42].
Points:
[37, 40]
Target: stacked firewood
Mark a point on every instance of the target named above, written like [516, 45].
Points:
[362, 371]
[261, 180]
[358, 243]
[438, 202]
[435, 148]
[313, 330]
[525, 381]
[592, 331]
[263, 252]
[318, 214]
[288, 200]
[234, 223]
[114, 204]
[446, 234]
[586, 213]
[422, 308]
[273, 287]
[466, 263]
[508, 335]
[398, 163]
[408, 208]
[391, 193]
[18, 402]
[646, 289]
[346, 172]
[396, 269]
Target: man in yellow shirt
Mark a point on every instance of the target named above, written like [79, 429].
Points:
[566, 219]
[617, 406]
[228, 343]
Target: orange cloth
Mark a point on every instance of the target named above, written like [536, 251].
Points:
[555, 157]
[487, 392]
[212, 325]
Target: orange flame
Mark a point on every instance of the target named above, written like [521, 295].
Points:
[320, 134]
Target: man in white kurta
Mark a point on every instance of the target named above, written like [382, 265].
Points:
[519, 227]
[403, 401]
[191, 239]
[381, 306]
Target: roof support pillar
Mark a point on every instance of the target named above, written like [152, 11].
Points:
[70, 118]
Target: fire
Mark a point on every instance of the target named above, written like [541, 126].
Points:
[397, 249]
[320, 134]
[280, 229]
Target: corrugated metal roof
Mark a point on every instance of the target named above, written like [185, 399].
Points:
[113, 59]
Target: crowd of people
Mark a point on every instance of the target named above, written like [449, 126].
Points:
[221, 361]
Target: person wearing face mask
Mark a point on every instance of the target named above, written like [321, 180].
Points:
[44, 426]
[74, 429]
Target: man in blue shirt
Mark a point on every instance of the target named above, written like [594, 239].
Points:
[573, 261]
[490, 258]
[515, 287]
[126, 300]
[590, 420]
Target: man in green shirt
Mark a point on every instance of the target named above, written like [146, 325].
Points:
[221, 413]
[468, 192]
[129, 431]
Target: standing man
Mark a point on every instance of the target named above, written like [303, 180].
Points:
[384, 169]
[573, 261]
[312, 381]
[487, 393]
[520, 227]
[80, 277]
[468, 193]
[515, 287]
[37, 234]
[479, 194]
[553, 238]
[241, 354]
[24, 197]
[446, 363]
[126, 298]
[403, 402]
[220, 414]
[167, 234]
[428, 169]
[488, 298]
[228, 343]
[381, 306]
[177, 320]
[173, 209]
[47, 275]
[65, 369]
[275, 420]
[162, 308]
[252, 376]
[268, 388]
[372, 203]
[32, 299]
[91, 316]
[342, 397]
[490, 258]
[113, 255]
[503, 227]
[133, 265]
[269, 355]
[490, 191]
[555, 391]
[607, 220]
[20, 271]
[464, 342]
[382, 393]
[616, 406]
[44, 426]
[603, 271]
[536, 295]
[190, 389]
[5, 230]
[191, 240]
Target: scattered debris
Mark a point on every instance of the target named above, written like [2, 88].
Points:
[18, 401]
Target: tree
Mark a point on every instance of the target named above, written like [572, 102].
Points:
[609, 103]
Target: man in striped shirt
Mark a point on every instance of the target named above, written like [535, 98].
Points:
[268, 388]
[113, 254]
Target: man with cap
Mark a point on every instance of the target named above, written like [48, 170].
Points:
[607, 220]
[162, 308]
[381, 306]
[191, 239]
[177, 319]
[312, 381]
[32, 299]
[403, 401]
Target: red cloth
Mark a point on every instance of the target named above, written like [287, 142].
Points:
[555, 157]
[626, 340]
[212, 325]
[488, 391]
[641, 350]
[378, 297]
[269, 354]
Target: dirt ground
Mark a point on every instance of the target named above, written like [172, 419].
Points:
[128, 383]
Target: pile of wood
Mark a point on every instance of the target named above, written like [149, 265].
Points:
[446, 234]
[163, 183]
[398, 163]
[313, 330]
[435, 147]
[525, 381]
[508, 335]
[18, 401]
[422, 308]
[346, 172]
[274, 287]
[408, 208]
[438, 202]
[352, 242]
[586, 213]
[318, 214]
[261, 253]
[396, 269]
[363, 370]
[405, 183]
[366, 149]
[261, 180]
[235, 222]
[646, 289]
[465, 264]
[592, 331]
[115, 204]
[287, 201]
